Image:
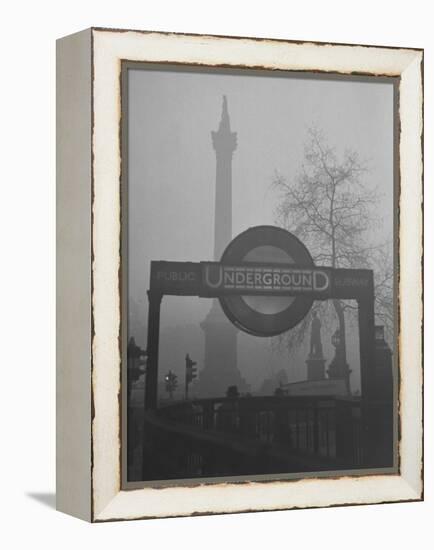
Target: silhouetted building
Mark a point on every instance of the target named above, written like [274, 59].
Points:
[220, 361]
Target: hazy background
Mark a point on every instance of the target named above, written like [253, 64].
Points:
[171, 181]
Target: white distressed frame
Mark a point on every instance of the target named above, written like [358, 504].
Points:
[109, 47]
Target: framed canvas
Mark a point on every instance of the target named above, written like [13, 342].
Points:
[239, 274]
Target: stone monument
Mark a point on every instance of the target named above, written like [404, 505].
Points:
[220, 362]
[315, 361]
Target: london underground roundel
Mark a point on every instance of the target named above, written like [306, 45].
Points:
[258, 314]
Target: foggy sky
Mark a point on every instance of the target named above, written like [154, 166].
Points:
[171, 175]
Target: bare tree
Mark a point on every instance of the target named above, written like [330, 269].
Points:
[381, 260]
[330, 208]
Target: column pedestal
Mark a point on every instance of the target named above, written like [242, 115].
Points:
[220, 362]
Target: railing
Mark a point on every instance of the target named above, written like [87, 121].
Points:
[301, 424]
[256, 435]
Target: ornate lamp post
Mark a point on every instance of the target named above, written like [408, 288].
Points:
[379, 334]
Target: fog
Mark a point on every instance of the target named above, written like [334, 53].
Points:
[171, 185]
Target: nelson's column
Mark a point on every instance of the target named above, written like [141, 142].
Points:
[220, 360]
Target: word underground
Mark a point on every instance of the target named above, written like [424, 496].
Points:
[266, 279]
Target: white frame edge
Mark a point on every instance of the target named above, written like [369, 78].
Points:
[109, 502]
[73, 274]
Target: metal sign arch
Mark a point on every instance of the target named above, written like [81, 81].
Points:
[297, 278]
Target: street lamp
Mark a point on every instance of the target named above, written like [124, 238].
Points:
[379, 333]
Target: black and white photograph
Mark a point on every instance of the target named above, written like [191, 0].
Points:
[259, 274]
[217, 275]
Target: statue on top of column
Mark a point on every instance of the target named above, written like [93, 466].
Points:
[315, 337]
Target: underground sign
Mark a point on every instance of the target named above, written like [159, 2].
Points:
[265, 310]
